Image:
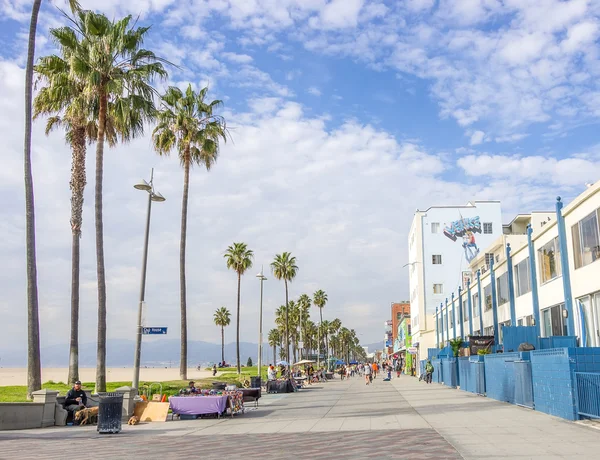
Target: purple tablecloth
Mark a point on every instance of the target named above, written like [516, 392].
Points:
[195, 405]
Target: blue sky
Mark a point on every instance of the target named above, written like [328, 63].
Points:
[346, 115]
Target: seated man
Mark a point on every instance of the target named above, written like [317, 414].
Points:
[192, 388]
[76, 399]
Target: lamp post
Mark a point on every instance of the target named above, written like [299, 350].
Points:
[152, 196]
[262, 278]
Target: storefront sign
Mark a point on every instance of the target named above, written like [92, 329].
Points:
[412, 350]
[480, 342]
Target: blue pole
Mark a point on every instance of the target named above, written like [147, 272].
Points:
[564, 264]
[494, 302]
[480, 301]
[533, 279]
[442, 321]
[447, 327]
[460, 314]
[469, 306]
[437, 334]
[453, 318]
[511, 287]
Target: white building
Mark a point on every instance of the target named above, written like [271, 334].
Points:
[442, 241]
[582, 222]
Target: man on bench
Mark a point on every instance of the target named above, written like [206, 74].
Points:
[76, 399]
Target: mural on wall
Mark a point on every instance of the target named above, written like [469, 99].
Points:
[465, 228]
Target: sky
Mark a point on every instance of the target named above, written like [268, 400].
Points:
[345, 117]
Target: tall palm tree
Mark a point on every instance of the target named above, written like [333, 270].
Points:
[274, 339]
[320, 299]
[188, 123]
[222, 318]
[304, 302]
[239, 258]
[34, 371]
[117, 71]
[284, 268]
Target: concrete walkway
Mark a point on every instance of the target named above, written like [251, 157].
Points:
[403, 418]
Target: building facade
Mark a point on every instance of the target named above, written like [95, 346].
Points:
[400, 310]
[442, 242]
[582, 250]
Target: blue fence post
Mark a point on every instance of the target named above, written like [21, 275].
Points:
[469, 306]
[437, 334]
[494, 302]
[480, 301]
[461, 318]
[442, 320]
[453, 318]
[511, 287]
[533, 279]
[447, 321]
[564, 263]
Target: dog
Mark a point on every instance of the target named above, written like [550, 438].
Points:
[134, 420]
[89, 414]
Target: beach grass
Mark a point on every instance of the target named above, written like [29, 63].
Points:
[18, 393]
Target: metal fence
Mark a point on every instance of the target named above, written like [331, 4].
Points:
[523, 384]
[588, 394]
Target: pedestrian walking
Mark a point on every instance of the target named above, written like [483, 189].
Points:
[428, 371]
[367, 369]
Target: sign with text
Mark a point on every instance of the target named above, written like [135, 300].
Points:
[480, 342]
[412, 350]
[154, 330]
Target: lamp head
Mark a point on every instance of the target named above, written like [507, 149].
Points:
[143, 185]
[156, 196]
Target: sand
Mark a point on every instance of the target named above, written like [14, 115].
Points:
[18, 376]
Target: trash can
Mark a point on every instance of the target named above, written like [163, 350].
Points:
[255, 382]
[110, 411]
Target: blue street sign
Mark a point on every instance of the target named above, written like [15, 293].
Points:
[154, 330]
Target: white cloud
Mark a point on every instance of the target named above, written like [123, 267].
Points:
[477, 137]
[314, 91]
[338, 14]
[237, 58]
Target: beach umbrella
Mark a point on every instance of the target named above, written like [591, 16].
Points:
[282, 363]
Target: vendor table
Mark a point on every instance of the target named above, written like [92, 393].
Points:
[251, 394]
[198, 405]
[280, 386]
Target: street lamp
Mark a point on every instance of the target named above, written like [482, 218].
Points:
[153, 195]
[262, 278]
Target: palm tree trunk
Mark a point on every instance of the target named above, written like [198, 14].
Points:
[320, 324]
[222, 345]
[287, 325]
[182, 285]
[101, 354]
[34, 373]
[274, 354]
[237, 338]
[77, 184]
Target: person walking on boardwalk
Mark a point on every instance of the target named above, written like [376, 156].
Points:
[428, 371]
[367, 373]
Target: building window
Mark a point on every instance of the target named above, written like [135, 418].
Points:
[436, 259]
[523, 277]
[475, 305]
[476, 332]
[489, 256]
[487, 295]
[549, 257]
[586, 240]
[488, 331]
[553, 321]
[466, 311]
[399, 316]
[503, 292]
[409, 331]
[435, 227]
[487, 228]
[438, 288]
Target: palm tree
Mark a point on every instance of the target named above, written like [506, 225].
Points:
[64, 100]
[239, 258]
[304, 302]
[117, 72]
[34, 372]
[222, 318]
[274, 339]
[187, 122]
[320, 299]
[284, 268]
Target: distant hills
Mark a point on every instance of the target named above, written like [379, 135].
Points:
[119, 353]
[160, 352]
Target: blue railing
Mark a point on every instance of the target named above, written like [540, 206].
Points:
[588, 394]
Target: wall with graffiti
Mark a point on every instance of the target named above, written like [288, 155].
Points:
[464, 230]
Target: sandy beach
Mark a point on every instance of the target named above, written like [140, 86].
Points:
[18, 376]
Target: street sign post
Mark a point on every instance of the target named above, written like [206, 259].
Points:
[154, 330]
